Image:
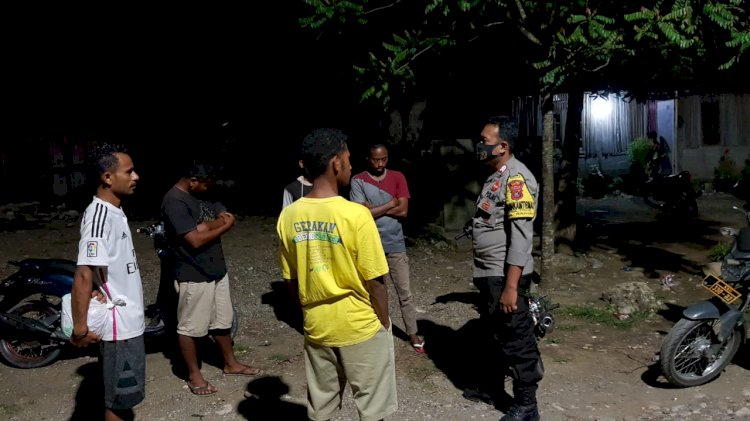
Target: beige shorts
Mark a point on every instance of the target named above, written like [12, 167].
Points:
[203, 306]
[370, 369]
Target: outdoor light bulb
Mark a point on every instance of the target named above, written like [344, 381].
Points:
[600, 107]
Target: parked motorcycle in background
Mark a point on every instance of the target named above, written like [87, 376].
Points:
[705, 340]
[672, 195]
[31, 333]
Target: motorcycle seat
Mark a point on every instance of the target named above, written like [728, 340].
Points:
[52, 265]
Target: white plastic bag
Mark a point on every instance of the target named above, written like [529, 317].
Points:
[66, 319]
[97, 316]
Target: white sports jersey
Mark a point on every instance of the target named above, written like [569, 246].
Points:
[106, 242]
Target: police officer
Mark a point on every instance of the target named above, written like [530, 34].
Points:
[503, 229]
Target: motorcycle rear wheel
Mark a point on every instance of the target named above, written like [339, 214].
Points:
[25, 353]
[691, 354]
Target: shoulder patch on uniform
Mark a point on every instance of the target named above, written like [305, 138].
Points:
[518, 199]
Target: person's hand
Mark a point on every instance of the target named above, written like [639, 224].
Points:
[228, 218]
[509, 300]
[83, 339]
[394, 202]
[98, 296]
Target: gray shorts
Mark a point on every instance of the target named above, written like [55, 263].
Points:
[124, 372]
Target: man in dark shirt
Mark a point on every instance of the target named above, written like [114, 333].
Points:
[194, 228]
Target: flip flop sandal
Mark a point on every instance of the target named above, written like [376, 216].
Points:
[248, 372]
[419, 348]
[201, 390]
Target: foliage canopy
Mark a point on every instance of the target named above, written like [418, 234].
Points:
[636, 45]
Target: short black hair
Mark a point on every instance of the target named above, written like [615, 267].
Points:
[200, 170]
[319, 147]
[376, 146]
[102, 158]
[507, 128]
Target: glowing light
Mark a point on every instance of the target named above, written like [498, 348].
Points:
[600, 107]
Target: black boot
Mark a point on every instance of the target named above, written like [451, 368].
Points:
[477, 395]
[524, 403]
[522, 413]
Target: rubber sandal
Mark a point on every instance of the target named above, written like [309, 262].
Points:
[418, 348]
[248, 372]
[200, 390]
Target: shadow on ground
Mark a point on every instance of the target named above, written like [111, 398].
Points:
[284, 308]
[650, 244]
[89, 400]
[468, 355]
[264, 402]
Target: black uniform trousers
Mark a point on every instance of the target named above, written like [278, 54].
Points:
[514, 333]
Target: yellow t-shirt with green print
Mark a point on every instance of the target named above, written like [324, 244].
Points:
[332, 247]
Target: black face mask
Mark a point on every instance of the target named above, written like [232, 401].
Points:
[484, 152]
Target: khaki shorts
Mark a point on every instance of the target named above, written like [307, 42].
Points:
[202, 306]
[369, 368]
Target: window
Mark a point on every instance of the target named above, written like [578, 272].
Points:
[710, 121]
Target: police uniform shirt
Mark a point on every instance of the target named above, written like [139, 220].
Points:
[503, 224]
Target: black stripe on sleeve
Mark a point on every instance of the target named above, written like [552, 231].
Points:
[98, 220]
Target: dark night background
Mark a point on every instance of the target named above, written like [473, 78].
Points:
[165, 81]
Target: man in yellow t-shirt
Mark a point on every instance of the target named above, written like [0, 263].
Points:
[333, 261]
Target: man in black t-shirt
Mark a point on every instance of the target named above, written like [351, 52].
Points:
[193, 229]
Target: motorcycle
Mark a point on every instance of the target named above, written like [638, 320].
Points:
[672, 195]
[705, 340]
[31, 334]
[540, 306]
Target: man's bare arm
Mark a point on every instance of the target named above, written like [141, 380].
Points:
[401, 210]
[209, 231]
[379, 300]
[378, 211]
[81, 293]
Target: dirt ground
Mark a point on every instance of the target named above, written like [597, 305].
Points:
[594, 371]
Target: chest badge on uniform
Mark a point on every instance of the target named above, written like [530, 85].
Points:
[495, 186]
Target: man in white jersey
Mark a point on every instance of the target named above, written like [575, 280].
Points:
[107, 263]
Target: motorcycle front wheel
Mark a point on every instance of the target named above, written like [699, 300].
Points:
[691, 354]
[31, 353]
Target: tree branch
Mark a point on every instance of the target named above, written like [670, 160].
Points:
[491, 24]
[521, 12]
[596, 69]
[419, 53]
[377, 9]
[529, 35]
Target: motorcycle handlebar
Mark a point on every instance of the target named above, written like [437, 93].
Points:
[152, 230]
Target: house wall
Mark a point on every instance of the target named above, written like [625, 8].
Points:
[701, 162]
[606, 136]
[700, 158]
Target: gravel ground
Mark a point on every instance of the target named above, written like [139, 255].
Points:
[593, 371]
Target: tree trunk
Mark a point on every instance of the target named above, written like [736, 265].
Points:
[548, 190]
[568, 176]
